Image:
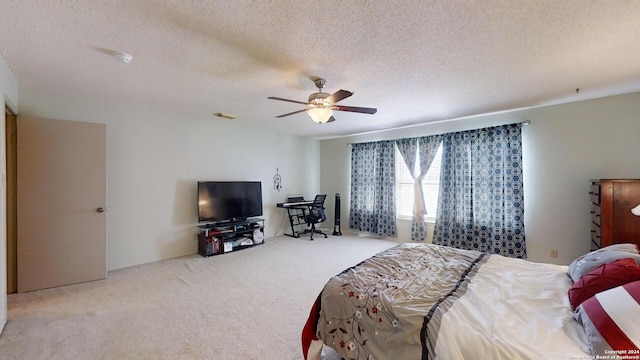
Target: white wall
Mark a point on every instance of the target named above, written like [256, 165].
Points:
[9, 97]
[564, 147]
[154, 159]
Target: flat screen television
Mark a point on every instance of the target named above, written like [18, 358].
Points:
[222, 201]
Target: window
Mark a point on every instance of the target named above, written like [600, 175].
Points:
[430, 187]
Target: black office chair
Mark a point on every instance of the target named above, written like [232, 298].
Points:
[315, 216]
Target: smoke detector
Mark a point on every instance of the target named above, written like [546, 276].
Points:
[123, 57]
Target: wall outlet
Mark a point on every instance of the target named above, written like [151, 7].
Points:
[554, 254]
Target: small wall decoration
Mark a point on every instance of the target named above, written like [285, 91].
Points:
[277, 181]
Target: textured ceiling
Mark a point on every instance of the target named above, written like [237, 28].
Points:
[415, 61]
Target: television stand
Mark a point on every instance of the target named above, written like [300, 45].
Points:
[224, 237]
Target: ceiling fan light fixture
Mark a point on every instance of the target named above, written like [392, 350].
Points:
[320, 115]
[321, 105]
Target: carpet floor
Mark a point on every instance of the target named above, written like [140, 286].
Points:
[249, 304]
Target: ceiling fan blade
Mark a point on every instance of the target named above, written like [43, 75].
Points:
[338, 96]
[281, 99]
[291, 113]
[331, 119]
[355, 109]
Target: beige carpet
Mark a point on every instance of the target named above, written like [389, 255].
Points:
[250, 304]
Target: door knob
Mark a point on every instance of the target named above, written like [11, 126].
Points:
[101, 210]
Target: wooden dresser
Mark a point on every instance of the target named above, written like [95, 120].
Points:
[611, 219]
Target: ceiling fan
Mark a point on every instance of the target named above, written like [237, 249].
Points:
[321, 105]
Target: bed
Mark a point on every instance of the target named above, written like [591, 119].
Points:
[424, 301]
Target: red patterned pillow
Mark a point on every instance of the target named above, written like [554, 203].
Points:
[602, 278]
[610, 320]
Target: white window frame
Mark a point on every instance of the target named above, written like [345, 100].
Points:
[404, 187]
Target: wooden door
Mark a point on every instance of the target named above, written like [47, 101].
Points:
[10, 151]
[61, 193]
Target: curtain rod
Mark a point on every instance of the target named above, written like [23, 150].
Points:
[523, 122]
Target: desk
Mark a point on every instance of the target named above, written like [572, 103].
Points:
[300, 210]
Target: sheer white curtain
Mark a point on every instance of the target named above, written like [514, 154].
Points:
[409, 148]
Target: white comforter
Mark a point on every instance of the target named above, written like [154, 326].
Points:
[513, 309]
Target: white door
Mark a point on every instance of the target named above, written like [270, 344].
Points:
[61, 193]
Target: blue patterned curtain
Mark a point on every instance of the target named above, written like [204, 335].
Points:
[481, 202]
[373, 183]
